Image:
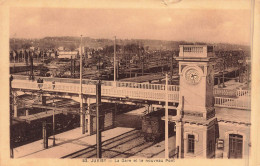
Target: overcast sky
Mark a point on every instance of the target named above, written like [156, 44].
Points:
[232, 26]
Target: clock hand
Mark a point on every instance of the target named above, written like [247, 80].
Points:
[193, 75]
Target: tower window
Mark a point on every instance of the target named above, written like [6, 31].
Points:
[191, 143]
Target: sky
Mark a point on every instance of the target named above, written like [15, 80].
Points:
[204, 25]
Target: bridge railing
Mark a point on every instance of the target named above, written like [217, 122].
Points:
[232, 103]
[224, 92]
[231, 92]
[128, 92]
[104, 83]
[147, 86]
[243, 93]
[124, 92]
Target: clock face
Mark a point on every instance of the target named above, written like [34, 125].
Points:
[192, 76]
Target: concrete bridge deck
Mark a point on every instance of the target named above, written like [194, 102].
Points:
[233, 98]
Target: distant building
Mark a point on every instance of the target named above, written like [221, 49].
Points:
[67, 54]
[61, 48]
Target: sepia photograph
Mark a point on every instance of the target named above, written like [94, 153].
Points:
[130, 84]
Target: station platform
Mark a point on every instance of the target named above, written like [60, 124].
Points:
[66, 143]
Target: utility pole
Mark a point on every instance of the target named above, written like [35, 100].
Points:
[53, 124]
[98, 128]
[115, 59]
[171, 69]
[14, 55]
[161, 58]
[166, 120]
[71, 67]
[11, 108]
[81, 95]
[74, 68]
[223, 74]
[142, 65]
[130, 69]
[117, 69]
[31, 59]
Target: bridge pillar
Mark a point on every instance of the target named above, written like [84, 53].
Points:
[114, 115]
[89, 119]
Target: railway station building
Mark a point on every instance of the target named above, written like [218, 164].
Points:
[203, 127]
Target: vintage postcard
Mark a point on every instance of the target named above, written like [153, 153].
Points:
[134, 82]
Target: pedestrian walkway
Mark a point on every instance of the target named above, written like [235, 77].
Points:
[66, 143]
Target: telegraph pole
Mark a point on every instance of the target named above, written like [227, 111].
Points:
[223, 74]
[166, 120]
[115, 59]
[171, 68]
[11, 108]
[98, 128]
[71, 67]
[81, 95]
[53, 125]
[31, 60]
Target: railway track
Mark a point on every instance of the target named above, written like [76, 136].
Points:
[123, 146]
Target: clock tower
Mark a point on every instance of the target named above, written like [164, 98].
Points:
[195, 120]
[196, 80]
